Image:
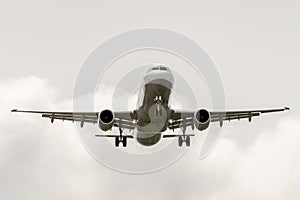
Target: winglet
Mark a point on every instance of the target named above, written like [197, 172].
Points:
[288, 108]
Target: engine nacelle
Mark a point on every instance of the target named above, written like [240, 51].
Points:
[106, 120]
[201, 119]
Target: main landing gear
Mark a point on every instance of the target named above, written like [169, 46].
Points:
[121, 139]
[184, 138]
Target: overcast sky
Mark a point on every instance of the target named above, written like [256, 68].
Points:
[255, 47]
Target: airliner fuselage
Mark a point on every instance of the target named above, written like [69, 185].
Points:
[153, 107]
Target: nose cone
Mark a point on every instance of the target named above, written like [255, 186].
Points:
[159, 72]
[156, 67]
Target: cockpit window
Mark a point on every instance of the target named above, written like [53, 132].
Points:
[158, 67]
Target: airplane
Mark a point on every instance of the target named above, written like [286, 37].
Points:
[154, 114]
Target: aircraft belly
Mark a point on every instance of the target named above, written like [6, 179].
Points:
[153, 115]
[148, 139]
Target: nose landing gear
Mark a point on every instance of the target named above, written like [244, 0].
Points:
[158, 100]
[158, 111]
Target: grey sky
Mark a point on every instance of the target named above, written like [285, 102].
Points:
[255, 46]
[249, 41]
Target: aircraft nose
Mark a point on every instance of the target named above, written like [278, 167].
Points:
[158, 68]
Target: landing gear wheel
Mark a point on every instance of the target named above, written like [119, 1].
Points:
[158, 112]
[180, 140]
[184, 139]
[117, 141]
[124, 141]
[188, 141]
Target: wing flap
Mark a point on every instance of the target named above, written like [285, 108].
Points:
[233, 117]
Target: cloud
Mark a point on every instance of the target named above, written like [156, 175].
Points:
[270, 168]
[40, 160]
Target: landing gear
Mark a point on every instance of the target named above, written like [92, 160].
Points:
[180, 140]
[158, 100]
[119, 140]
[188, 141]
[184, 139]
[158, 111]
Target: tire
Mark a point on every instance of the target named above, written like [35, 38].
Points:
[117, 141]
[124, 141]
[188, 141]
[180, 141]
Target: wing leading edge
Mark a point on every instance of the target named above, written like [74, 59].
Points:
[122, 119]
[178, 119]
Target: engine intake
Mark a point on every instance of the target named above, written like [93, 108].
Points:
[106, 120]
[202, 119]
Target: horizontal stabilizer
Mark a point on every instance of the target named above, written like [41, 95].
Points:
[127, 136]
[177, 135]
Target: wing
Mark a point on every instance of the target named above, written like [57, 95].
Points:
[122, 120]
[185, 119]
[237, 115]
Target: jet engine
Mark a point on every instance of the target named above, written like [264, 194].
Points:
[106, 120]
[201, 119]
